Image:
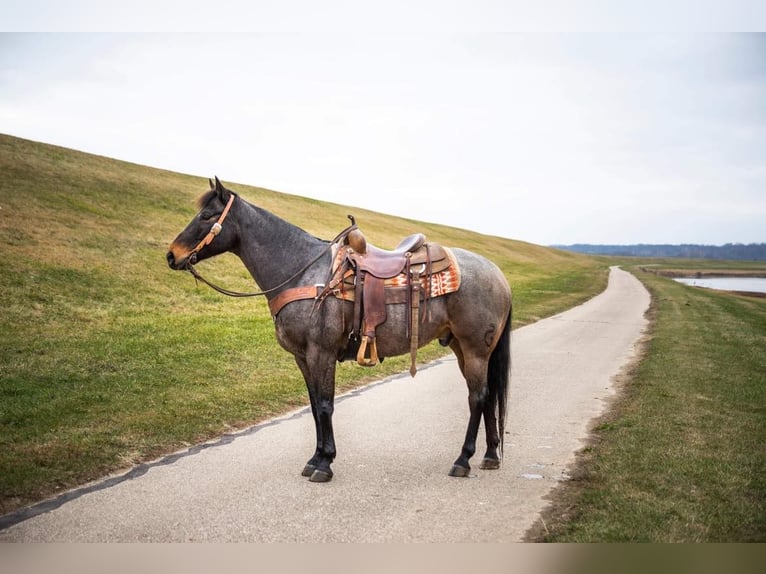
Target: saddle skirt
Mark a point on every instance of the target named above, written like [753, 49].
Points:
[443, 279]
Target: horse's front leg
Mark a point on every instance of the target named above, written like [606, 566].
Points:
[319, 372]
[311, 465]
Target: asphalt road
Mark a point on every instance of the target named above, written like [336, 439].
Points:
[396, 442]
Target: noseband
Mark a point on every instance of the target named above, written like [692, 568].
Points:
[215, 230]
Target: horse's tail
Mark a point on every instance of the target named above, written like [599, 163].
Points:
[498, 376]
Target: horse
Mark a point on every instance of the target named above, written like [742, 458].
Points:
[474, 321]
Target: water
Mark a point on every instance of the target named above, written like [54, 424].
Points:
[752, 284]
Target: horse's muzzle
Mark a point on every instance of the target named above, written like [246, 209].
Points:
[172, 263]
[182, 263]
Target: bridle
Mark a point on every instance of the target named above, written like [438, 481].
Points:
[216, 229]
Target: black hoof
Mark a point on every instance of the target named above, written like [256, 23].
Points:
[308, 470]
[459, 471]
[321, 476]
[490, 464]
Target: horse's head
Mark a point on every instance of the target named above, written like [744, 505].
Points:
[206, 235]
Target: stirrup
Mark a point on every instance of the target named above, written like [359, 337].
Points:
[361, 356]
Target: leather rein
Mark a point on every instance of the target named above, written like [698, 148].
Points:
[216, 229]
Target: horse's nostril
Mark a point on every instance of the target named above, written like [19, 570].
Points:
[171, 258]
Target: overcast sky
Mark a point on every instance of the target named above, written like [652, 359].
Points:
[548, 138]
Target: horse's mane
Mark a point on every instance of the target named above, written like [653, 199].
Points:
[205, 198]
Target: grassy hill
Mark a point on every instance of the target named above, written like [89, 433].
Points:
[107, 358]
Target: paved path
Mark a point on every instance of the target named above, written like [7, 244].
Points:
[396, 441]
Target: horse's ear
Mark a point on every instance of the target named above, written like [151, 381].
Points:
[212, 185]
[222, 192]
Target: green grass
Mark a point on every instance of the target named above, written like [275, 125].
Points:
[682, 458]
[108, 358]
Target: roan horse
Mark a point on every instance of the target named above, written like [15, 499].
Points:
[475, 320]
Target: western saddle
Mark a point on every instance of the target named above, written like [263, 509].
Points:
[373, 278]
[375, 272]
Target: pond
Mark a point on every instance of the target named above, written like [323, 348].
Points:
[750, 284]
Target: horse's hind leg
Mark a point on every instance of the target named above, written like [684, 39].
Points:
[475, 372]
[491, 458]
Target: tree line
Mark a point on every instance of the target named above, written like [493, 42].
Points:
[738, 251]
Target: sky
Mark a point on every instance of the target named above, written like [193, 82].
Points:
[553, 137]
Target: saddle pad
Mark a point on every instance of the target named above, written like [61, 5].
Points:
[442, 282]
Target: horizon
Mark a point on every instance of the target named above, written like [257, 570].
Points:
[553, 245]
[656, 244]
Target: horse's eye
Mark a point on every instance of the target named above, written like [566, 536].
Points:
[206, 215]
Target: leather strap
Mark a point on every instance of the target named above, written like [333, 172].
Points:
[414, 322]
[394, 295]
[216, 228]
[356, 324]
[293, 294]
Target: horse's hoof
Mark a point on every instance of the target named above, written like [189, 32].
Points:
[308, 470]
[490, 464]
[321, 476]
[459, 471]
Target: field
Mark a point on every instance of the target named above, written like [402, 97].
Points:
[681, 457]
[107, 358]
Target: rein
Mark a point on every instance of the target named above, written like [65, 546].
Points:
[190, 268]
[216, 229]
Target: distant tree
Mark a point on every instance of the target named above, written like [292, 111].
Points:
[738, 251]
